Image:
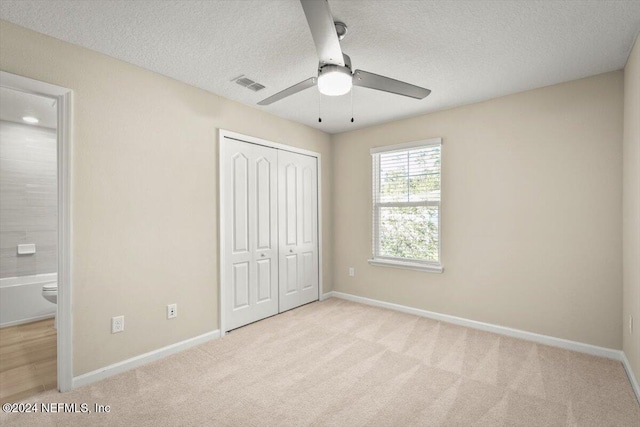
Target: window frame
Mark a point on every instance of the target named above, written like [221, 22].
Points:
[406, 263]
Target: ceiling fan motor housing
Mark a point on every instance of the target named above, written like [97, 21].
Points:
[347, 62]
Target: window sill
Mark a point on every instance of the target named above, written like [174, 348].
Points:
[378, 262]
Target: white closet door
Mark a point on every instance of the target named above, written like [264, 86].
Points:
[248, 188]
[298, 229]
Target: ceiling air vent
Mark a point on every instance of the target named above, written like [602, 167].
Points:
[248, 83]
[243, 81]
[256, 87]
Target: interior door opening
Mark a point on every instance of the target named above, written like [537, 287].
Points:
[35, 286]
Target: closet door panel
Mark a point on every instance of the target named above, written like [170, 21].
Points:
[264, 198]
[291, 203]
[240, 197]
[308, 197]
[308, 271]
[248, 187]
[240, 285]
[298, 229]
[265, 283]
[291, 274]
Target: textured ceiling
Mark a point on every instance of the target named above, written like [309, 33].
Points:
[464, 51]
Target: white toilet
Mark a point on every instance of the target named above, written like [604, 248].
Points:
[50, 293]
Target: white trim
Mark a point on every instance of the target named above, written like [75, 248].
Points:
[326, 296]
[63, 96]
[632, 378]
[222, 324]
[65, 231]
[501, 330]
[143, 359]
[406, 145]
[25, 84]
[319, 216]
[381, 262]
[221, 216]
[254, 140]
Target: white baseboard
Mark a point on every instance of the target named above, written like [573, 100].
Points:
[143, 359]
[632, 378]
[326, 295]
[502, 330]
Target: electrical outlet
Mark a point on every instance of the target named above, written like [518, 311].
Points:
[352, 271]
[172, 311]
[117, 324]
[630, 324]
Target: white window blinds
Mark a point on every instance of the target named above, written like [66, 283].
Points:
[406, 202]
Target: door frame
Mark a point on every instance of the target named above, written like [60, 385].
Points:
[222, 134]
[63, 97]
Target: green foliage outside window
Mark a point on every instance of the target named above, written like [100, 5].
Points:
[409, 177]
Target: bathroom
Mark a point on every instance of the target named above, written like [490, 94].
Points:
[29, 240]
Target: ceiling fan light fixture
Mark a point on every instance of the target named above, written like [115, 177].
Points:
[334, 80]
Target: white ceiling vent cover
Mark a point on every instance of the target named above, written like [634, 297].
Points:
[256, 87]
[248, 83]
[243, 81]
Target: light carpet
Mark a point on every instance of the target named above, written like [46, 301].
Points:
[339, 363]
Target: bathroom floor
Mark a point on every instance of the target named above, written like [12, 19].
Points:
[28, 360]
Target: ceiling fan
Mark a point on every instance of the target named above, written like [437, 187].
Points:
[335, 75]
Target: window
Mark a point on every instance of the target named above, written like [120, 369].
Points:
[406, 205]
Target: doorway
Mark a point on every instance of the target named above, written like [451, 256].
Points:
[270, 258]
[35, 294]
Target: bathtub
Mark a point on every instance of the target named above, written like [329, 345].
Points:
[21, 299]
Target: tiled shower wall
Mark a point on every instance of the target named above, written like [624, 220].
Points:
[28, 199]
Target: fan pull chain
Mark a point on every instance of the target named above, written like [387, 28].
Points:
[351, 105]
[319, 105]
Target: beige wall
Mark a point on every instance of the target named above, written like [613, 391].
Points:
[631, 210]
[531, 202]
[144, 194]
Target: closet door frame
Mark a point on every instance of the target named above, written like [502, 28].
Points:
[222, 220]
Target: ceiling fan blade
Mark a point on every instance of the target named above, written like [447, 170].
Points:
[305, 84]
[386, 84]
[323, 31]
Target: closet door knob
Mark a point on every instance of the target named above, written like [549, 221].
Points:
[262, 255]
[290, 251]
